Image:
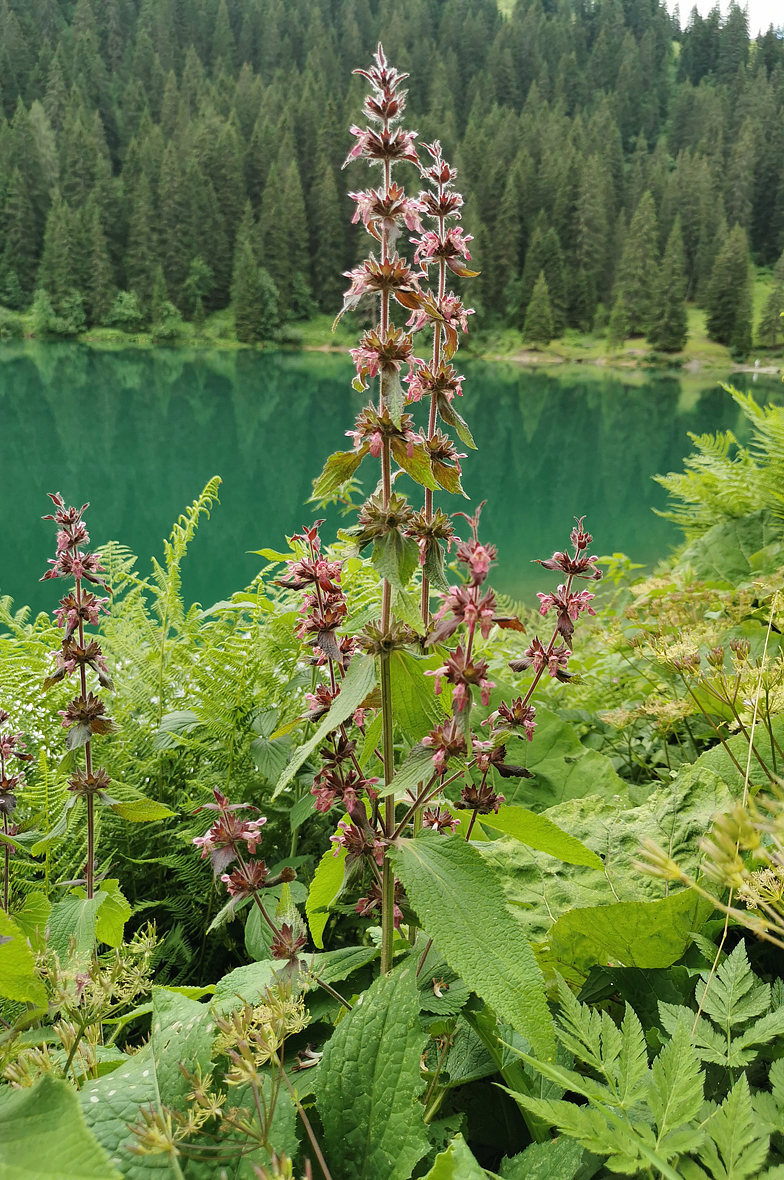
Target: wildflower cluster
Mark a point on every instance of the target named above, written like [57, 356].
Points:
[11, 747]
[85, 715]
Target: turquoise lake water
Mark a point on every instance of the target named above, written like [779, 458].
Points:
[139, 433]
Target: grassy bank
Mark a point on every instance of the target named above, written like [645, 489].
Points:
[488, 343]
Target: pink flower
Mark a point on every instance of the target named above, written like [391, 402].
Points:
[568, 606]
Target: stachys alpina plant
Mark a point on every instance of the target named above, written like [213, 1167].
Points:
[85, 716]
[406, 538]
[11, 747]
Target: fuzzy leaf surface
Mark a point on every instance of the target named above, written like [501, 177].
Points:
[539, 832]
[456, 1163]
[43, 1136]
[461, 906]
[369, 1082]
[18, 978]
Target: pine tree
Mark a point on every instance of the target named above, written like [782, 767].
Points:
[196, 288]
[328, 235]
[668, 328]
[618, 327]
[638, 267]
[543, 254]
[538, 326]
[728, 299]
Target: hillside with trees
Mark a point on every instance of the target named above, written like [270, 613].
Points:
[168, 158]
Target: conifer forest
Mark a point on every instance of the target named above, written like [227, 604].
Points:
[380, 862]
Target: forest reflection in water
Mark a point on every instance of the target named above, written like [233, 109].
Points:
[139, 433]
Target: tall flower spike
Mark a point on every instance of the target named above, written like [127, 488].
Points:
[84, 717]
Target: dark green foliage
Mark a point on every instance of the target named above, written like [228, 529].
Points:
[618, 326]
[171, 116]
[125, 312]
[771, 326]
[668, 323]
[254, 297]
[729, 294]
[538, 326]
[637, 272]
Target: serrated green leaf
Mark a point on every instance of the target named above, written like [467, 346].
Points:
[269, 756]
[43, 1136]
[675, 1095]
[360, 679]
[113, 912]
[415, 706]
[537, 831]
[302, 810]
[417, 464]
[18, 978]
[447, 476]
[461, 906]
[33, 917]
[734, 994]
[324, 888]
[142, 811]
[395, 558]
[369, 1082]
[632, 934]
[557, 1159]
[72, 926]
[735, 1149]
[456, 1163]
[337, 469]
[417, 767]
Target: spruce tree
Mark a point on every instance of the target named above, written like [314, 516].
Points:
[19, 235]
[728, 299]
[140, 256]
[253, 297]
[328, 235]
[637, 272]
[618, 327]
[771, 327]
[538, 326]
[668, 328]
[543, 254]
[159, 297]
[56, 272]
[100, 286]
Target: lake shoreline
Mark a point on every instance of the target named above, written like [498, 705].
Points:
[632, 361]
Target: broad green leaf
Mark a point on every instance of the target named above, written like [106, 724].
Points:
[448, 477]
[269, 756]
[43, 1136]
[629, 934]
[726, 552]
[369, 1082]
[462, 908]
[417, 768]
[737, 1148]
[18, 979]
[537, 831]
[395, 558]
[113, 912]
[33, 917]
[415, 706]
[181, 1030]
[417, 464]
[456, 1163]
[250, 982]
[337, 469]
[675, 815]
[557, 1159]
[301, 810]
[562, 767]
[141, 811]
[324, 888]
[72, 925]
[360, 679]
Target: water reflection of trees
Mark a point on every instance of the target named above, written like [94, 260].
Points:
[139, 433]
